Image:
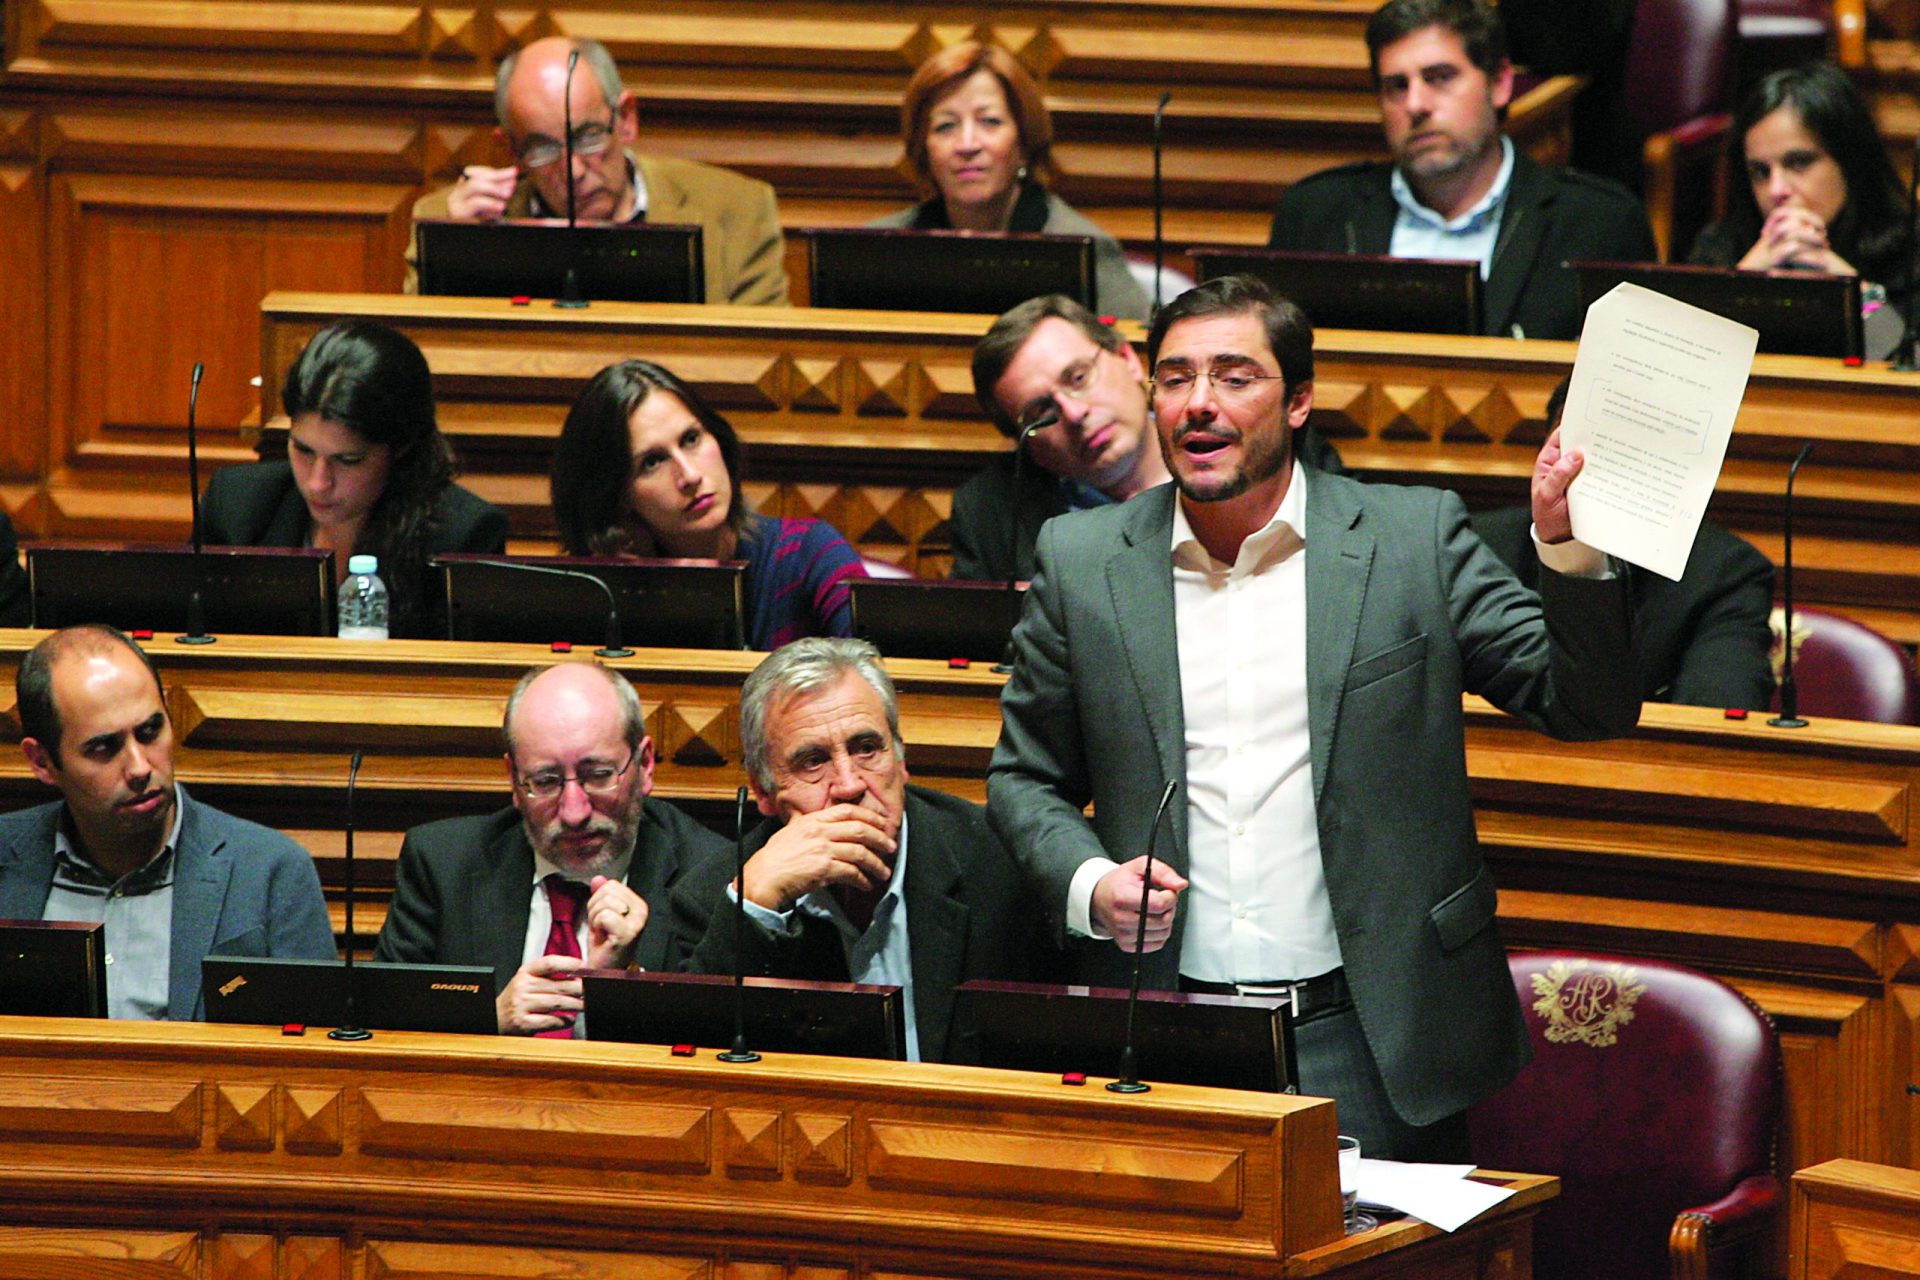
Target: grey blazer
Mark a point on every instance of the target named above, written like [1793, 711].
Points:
[239, 889]
[1406, 608]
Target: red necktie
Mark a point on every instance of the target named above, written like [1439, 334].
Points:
[565, 899]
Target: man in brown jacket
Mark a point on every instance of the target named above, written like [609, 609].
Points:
[611, 182]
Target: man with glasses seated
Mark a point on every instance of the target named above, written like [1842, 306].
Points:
[855, 875]
[1290, 648]
[745, 260]
[567, 877]
[1047, 358]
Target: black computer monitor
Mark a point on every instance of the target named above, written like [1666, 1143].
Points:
[267, 591]
[1358, 291]
[387, 997]
[1798, 313]
[882, 269]
[614, 262]
[1222, 1042]
[922, 618]
[840, 1019]
[664, 604]
[53, 969]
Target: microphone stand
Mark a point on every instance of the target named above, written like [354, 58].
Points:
[739, 1052]
[1045, 420]
[1789, 717]
[351, 1029]
[1159, 202]
[570, 298]
[613, 648]
[1903, 355]
[196, 607]
[1129, 1081]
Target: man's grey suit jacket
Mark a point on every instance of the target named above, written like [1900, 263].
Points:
[1406, 608]
[463, 887]
[239, 889]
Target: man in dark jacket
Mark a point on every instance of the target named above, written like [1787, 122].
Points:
[1457, 187]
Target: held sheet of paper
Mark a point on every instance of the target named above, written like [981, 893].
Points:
[1656, 384]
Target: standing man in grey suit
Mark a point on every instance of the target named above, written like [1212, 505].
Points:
[832, 893]
[172, 880]
[581, 848]
[1290, 647]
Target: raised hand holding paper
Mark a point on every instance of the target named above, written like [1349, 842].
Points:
[1655, 389]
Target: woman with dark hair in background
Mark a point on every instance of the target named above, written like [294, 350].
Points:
[1812, 190]
[367, 472]
[645, 467]
[979, 137]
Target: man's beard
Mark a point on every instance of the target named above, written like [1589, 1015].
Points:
[616, 834]
[1263, 457]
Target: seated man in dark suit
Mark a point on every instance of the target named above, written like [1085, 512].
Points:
[1457, 187]
[1051, 356]
[855, 875]
[1703, 639]
[565, 878]
[172, 880]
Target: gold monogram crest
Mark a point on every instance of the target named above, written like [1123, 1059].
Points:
[1584, 1004]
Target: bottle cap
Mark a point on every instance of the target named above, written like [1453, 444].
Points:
[363, 564]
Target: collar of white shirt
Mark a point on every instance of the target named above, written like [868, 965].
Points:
[1285, 533]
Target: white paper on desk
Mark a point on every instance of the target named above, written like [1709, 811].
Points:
[1656, 385]
[1440, 1194]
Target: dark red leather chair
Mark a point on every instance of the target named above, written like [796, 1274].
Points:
[1679, 92]
[1654, 1095]
[1846, 669]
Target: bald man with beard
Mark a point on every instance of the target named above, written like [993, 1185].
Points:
[581, 839]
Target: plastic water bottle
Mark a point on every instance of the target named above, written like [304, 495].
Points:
[363, 601]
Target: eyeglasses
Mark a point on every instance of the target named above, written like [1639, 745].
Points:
[588, 140]
[594, 779]
[1230, 383]
[1074, 382]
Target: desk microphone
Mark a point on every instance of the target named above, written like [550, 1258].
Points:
[1045, 420]
[351, 1028]
[1129, 1081]
[196, 607]
[613, 648]
[1159, 202]
[570, 298]
[1789, 717]
[739, 1052]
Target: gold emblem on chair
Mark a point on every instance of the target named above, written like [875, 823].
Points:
[1584, 1004]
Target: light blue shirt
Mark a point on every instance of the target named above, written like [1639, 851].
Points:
[1419, 232]
[881, 956]
[137, 910]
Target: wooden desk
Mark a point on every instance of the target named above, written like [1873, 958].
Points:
[1787, 862]
[1855, 1221]
[867, 419]
[232, 1153]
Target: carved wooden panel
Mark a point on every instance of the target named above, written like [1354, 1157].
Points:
[1854, 1220]
[23, 355]
[32, 1252]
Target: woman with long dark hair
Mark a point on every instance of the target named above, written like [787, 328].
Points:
[367, 472]
[1811, 189]
[645, 467]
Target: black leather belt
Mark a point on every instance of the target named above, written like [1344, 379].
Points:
[1312, 997]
